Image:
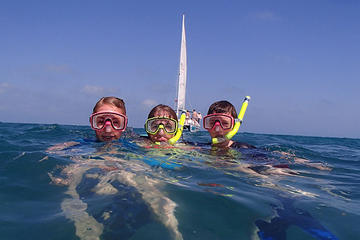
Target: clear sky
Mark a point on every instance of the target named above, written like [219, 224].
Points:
[299, 60]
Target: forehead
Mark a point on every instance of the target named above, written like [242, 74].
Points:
[110, 108]
[222, 112]
[162, 113]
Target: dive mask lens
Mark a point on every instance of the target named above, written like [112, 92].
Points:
[152, 125]
[226, 121]
[98, 120]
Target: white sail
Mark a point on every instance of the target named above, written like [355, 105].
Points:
[182, 72]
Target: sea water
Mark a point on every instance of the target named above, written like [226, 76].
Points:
[124, 191]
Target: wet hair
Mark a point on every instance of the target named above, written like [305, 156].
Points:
[222, 107]
[117, 102]
[165, 108]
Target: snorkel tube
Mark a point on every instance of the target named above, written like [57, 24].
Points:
[174, 139]
[238, 122]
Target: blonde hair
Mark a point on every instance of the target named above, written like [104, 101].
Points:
[117, 102]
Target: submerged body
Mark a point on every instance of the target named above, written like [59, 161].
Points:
[237, 200]
[116, 178]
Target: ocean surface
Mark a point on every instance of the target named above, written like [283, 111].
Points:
[289, 187]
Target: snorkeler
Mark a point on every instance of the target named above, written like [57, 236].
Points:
[222, 123]
[162, 125]
[103, 175]
[109, 119]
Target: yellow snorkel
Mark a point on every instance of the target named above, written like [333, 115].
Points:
[238, 122]
[177, 136]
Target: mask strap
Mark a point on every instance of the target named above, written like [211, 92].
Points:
[238, 122]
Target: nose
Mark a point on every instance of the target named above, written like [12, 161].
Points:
[161, 131]
[217, 126]
[108, 127]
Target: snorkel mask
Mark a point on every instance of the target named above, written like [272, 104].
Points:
[99, 120]
[169, 125]
[223, 120]
[237, 124]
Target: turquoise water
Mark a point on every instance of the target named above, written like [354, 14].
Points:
[123, 191]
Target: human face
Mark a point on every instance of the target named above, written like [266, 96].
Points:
[218, 124]
[154, 124]
[98, 120]
[108, 132]
[161, 135]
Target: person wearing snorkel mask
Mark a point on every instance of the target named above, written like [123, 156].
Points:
[219, 122]
[109, 119]
[98, 180]
[162, 124]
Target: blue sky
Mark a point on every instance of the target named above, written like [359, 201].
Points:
[298, 60]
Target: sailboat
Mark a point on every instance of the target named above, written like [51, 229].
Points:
[190, 124]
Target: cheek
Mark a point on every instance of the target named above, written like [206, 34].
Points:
[98, 135]
[212, 133]
[227, 131]
[168, 136]
[151, 137]
[118, 134]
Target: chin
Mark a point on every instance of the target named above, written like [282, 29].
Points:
[107, 139]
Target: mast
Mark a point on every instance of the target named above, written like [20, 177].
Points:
[182, 72]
